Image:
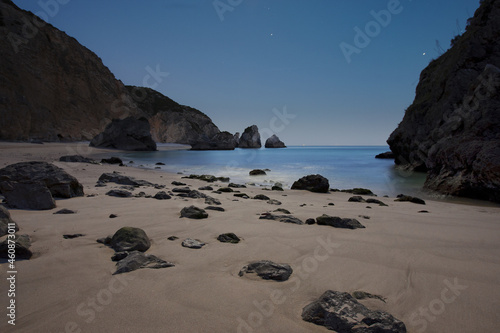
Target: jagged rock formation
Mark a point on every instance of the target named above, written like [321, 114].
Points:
[250, 138]
[274, 142]
[452, 129]
[52, 87]
[126, 134]
[172, 122]
[220, 141]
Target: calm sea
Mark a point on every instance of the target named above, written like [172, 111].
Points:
[345, 166]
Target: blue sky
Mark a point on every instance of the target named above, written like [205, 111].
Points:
[292, 67]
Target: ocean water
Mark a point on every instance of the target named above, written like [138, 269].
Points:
[345, 166]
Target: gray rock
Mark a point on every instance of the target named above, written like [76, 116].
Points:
[212, 201]
[5, 221]
[313, 183]
[162, 195]
[228, 238]
[358, 191]
[176, 183]
[408, 198]
[193, 243]
[241, 195]
[219, 209]
[338, 222]
[257, 172]
[277, 188]
[358, 294]
[22, 247]
[268, 270]
[220, 141]
[250, 138]
[356, 198]
[137, 260]
[261, 197]
[126, 134]
[375, 201]
[233, 185]
[274, 142]
[225, 190]
[283, 210]
[274, 202]
[340, 312]
[77, 159]
[206, 188]
[123, 180]
[184, 190]
[193, 212]
[281, 218]
[130, 239]
[119, 193]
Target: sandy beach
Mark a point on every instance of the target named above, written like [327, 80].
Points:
[437, 271]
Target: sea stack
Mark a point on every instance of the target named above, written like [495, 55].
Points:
[274, 142]
[452, 129]
[250, 138]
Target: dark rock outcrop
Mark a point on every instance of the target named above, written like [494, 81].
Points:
[5, 221]
[162, 195]
[274, 142]
[313, 183]
[281, 218]
[228, 238]
[122, 180]
[387, 155]
[126, 134]
[119, 193]
[250, 138]
[268, 270]
[112, 160]
[338, 222]
[220, 141]
[77, 159]
[22, 247]
[340, 312]
[130, 239]
[257, 172]
[136, 260]
[402, 197]
[31, 185]
[452, 129]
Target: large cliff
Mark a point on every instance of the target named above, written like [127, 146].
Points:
[52, 88]
[452, 129]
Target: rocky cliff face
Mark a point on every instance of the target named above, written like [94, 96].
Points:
[51, 87]
[170, 121]
[452, 129]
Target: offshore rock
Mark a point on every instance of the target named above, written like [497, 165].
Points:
[250, 138]
[274, 142]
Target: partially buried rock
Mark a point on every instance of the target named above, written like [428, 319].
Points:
[130, 239]
[126, 134]
[274, 202]
[205, 188]
[77, 159]
[65, 211]
[21, 249]
[268, 270]
[212, 201]
[313, 183]
[283, 210]
[117, 178]
[233, 185]
[176, 183]
[340, 312]
[310, 221]
[281, 218]
[136, 260]
[193, 212]
[71, 236]
[356, 198]
[338, 222]
[6, 222]
[193, 243]
[228, 238]
[375, 201]
[261, 197]
[219, 209]
[112, 160]
[119, 193]
[415, 200]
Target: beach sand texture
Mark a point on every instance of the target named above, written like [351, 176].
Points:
[438, 271]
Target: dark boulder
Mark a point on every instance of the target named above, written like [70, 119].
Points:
[77, 159]
[56, 180]
[375, 201]
[257, 172]
[220, 141]
[228, 238]
[216, 208]
[281, 218]
[130, 239]
[340, 312]
[274, 142]
[250, 138]
[65, 211]
[386, 155]
[112, 160]
[162, 195]
[117, 178]
[261, 197]
[356, 198]
[268, 270]
[193, 212]
[21, 250]
[71, 236]
[136, 260]
[126, 134]
[212, 201]
[119, 193]
[6, 222]
[27, 195]
[338, 222]
[402, 197]
[313, 183]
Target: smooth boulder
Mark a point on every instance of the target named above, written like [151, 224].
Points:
[313, 183]
[340, 312]
[130, 239]
[126, 134]
[27, 195]
[193, 212]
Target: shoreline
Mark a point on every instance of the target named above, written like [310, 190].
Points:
[407, 257]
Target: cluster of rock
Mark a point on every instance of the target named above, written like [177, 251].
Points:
[452, 129]
[34, 185]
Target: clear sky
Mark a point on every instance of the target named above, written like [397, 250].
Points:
[315, 72]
